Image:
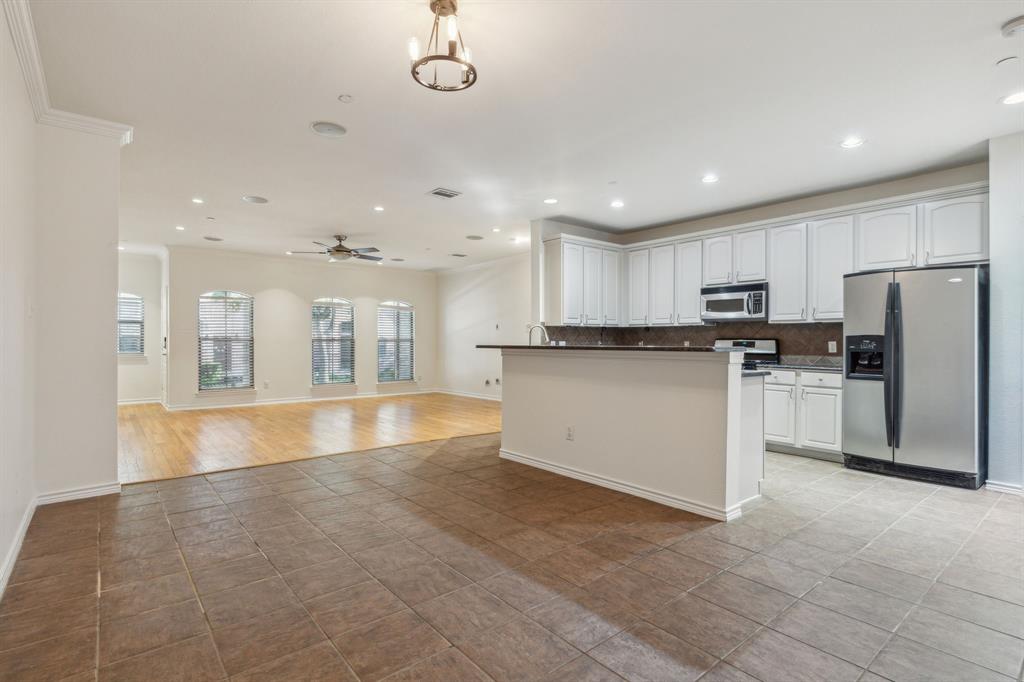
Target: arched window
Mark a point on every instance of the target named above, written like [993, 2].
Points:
[225, 340]
[131, 324]
[396, 331]
[334, 342]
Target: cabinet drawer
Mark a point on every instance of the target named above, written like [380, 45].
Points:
[821, 379]
[784, 377]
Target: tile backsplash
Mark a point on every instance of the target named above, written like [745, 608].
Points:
[794, 339]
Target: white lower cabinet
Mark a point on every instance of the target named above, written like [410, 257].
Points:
[804, 409]
[780, 414]
[821, 418]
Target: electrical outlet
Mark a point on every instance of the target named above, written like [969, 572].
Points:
[686, 344]
[570, 433]
[831, 346]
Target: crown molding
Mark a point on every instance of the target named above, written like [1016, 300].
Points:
[23, 35]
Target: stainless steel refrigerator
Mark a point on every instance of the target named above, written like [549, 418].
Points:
[915, 373]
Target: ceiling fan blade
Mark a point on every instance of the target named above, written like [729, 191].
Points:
[319, 253]
[362, 257]
[323, 245]
[368, 249]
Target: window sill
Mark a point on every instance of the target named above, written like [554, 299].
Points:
[213, 392]
[396, 383]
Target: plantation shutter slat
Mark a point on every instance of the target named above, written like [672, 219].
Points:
[130, 324]
[225, 341]
[396, 332]
[334, 347]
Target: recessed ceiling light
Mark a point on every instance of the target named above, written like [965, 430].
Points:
[851, 142]
[288, 253]
[345, 99]
[328, 129]
[473, 237]
[1013, 27]
[197, 200]
[551, 201]
[618, 203]
[398, 260]
[212, 239]
[254, 199]
[495, 229]
[378, 209]
[120, 248]
[1015, 98]
[380, 262]
[709, 178]
[179, 228]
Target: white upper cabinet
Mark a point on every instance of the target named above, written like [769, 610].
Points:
[956, 230]
[639, 285]
[787, 284]
[688, 282]
[593, 285]
[572, 283]
[831, 257]
[610, 284]
[749, 255]
[718, 260]
[886, 238]
[663, 263]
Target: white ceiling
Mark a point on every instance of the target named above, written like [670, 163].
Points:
[572, 97]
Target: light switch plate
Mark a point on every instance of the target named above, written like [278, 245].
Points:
[831, 346]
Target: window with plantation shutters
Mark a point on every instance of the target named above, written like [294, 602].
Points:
[396, 326]
[131, 324]
[225, 340]
[334, 344]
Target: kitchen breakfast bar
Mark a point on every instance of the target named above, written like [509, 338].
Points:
[682, 426]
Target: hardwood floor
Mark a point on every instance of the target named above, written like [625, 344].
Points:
[155, 444]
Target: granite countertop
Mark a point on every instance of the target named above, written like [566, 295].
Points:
[835, 369]
[663, 349]
[755, 373]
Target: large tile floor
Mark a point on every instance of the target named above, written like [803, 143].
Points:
[439, 561]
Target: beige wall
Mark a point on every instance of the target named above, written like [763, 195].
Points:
[77, 186]
[138, 377]
[17, 340]
[977, 172]
[486, 303]
[284, 289]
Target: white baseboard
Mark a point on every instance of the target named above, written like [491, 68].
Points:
[78, 493]
[283, 401]
[467, 394]
[12, 553]
[139, 401]
[1008, 488]
[729, 514]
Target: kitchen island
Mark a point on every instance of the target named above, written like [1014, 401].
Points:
[682, 426]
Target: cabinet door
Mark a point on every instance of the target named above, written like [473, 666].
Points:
[821, 418]
[572, 283]
[688, 283]
[610, 284]
[831, 249]
[749, 252]
[592, 285]
[718, 260]
[663, 264]
[956, 230]
[639, 285]
[779, 414]
[887, 238]
[787, 286]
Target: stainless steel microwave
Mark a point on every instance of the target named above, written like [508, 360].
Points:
[734, 302]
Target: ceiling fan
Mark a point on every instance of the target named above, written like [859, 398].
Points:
[340, 252]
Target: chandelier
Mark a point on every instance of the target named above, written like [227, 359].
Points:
[444, 67]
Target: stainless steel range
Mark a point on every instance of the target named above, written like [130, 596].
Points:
[756, 352]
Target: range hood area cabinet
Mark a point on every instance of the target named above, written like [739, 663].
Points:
[735, 258]
[593, 283]
[583, 284]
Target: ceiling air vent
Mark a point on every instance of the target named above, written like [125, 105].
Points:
[457, 255]
[444, 193]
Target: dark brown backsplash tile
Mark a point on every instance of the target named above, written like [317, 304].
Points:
[794, 339]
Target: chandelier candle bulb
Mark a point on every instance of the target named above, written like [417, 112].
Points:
[414, 49]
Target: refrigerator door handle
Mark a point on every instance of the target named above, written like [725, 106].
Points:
[887, 364]
[897, 365]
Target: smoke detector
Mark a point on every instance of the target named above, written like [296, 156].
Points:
[328, 128]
